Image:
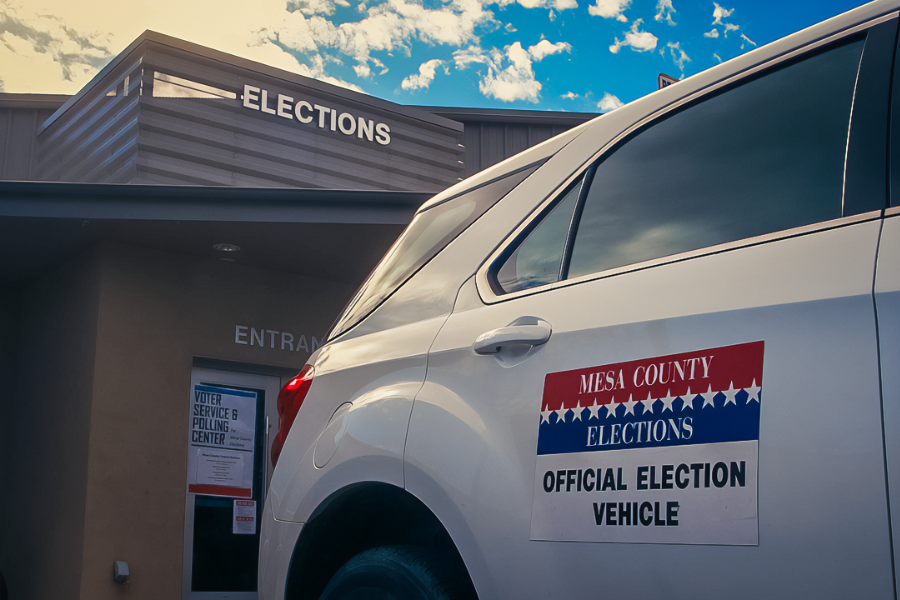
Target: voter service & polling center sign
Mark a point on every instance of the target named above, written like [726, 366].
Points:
[222, 441]
[658, 450]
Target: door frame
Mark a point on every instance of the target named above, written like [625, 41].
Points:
[224, 373]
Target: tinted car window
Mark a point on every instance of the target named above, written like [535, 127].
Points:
[537, 260]
[762, 157]
[427, 234]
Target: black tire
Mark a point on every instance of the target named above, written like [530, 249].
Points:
[398, 573]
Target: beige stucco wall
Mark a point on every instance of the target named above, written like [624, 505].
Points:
[109, 379]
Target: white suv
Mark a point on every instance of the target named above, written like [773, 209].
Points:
[656, 356]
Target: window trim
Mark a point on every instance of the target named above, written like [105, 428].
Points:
[342, 324]
[674, 258]
[483, 278]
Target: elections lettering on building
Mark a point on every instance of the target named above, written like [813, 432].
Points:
[325, 117]
[659, 450]
[222, 441]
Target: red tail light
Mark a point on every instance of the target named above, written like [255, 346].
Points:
[290, 398]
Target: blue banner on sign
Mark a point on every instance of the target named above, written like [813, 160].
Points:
[706, 418]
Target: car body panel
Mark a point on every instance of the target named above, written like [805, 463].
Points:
[277, 542]
[804, 296]
[887, 303]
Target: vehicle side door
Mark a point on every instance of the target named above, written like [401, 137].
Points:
[887, 306]
[699, 295]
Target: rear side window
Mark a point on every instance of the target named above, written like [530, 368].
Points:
[428, 233]
[764, 156]
[539, 258]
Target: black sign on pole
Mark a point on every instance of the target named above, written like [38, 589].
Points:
[666, 80]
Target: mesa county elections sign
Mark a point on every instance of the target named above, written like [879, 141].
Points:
[660, 450]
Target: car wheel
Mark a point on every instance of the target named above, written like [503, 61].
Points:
[397, 573]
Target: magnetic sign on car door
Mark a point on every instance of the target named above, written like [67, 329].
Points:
[658, 450]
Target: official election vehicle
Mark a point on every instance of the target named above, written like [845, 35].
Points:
[657, 356]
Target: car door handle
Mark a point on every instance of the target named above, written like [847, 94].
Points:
[534, 332]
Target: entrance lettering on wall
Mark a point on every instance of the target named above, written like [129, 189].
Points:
[325, 117]
[276, 340]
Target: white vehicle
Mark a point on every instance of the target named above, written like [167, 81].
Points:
[656, 356]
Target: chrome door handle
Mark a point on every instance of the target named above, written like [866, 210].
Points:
[533, 332]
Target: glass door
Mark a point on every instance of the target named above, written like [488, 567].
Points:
[228, 444]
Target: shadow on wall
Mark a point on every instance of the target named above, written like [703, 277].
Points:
[6, 335]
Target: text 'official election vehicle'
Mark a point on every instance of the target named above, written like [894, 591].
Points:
[657, 356]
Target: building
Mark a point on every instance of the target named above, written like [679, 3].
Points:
[189, 221]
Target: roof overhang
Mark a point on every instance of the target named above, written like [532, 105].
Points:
[326, 234]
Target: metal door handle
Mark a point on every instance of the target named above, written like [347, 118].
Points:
[533, 333]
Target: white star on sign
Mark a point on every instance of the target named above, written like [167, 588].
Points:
[595, 410]
[708, 397]
[577, 412]
[561, 414]
[629, 406]
[688, 400]
[667, 401]
[611, 407]
[730, 393]
[545, 414]
[753, 392]
[647, 403]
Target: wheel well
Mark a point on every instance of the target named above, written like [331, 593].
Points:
[355, 519]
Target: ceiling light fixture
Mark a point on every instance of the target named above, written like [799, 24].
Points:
[226, 247]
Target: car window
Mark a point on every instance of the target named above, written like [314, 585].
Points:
[762, 157]
[537, 260]
[428, 233]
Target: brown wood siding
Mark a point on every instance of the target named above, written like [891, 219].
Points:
[142, 138]
[19, 126]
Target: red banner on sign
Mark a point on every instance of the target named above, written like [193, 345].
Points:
[718, 369]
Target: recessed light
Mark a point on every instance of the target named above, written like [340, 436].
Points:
[226, 247]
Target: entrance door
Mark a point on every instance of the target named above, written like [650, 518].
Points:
[228, 445]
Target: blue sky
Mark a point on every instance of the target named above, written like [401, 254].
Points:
[572, 55]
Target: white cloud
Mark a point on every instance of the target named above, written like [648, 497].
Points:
[516, 80]
[424, 77]
[551, 4]
[35, 47]
[640, 41]
[569, 96]
[57, 46]
[746, 39]
[78, 42]
[317, 71]
[720, 13]
[610, 9]
[544, 49]
[719, 16]
[717, 57]
[609, 103]
[664, 11]
[391, 26]
[314, 7]
[679, 56]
